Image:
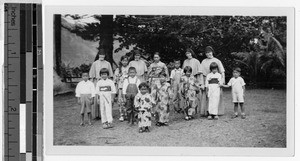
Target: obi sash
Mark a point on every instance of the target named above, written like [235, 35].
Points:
[213, 81]
[105, 88]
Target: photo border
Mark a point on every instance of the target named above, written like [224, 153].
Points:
[50, 149]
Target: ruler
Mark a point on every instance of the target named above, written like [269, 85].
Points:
[23, 80]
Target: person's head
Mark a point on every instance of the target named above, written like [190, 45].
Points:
[144, 88]
[213, 67]
[163, 78]
[177, 63]
[156, 57]
[101, 54]
[123, 61]
[104, 73]
[209, 52]
[236, 72]
[131, 72]
[189, 53]
[187, 71]
[137, 55]
[85, 76]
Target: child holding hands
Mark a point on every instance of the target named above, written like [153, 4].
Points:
[237, 85]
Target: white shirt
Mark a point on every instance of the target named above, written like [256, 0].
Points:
[176, 71]
[85, 87]
[237, 84]
[105, 86]
[130, 80]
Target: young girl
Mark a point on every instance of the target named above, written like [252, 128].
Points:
[106, 90]
[212, 83]
[188, 89]
[237, 85]
[144, 102]
[163, 99]
[120, 75]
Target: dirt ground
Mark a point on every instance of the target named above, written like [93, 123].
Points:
[265, 126]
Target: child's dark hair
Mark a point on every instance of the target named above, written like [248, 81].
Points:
[237, 69]
[120, 63]
[176, 59]
[104, 70]
[187, 69]
[84, 72]
[156, 53]
[131, 68]
[213, 65]
[144, 84]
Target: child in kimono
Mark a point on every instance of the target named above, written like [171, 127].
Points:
[212, 83]
[237, 85]
[189, 86]
[106, 91]
[144, 102]
[163, 100]
[176, 74]
[85, 92]
[120, 75]
[94, 73]
[130, 90]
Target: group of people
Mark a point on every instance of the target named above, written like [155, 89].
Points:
[151, 93]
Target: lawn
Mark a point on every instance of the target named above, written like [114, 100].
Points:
[265, 126]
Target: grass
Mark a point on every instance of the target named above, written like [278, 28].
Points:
[265, 126]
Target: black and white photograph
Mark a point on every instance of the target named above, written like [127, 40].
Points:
[169, 80]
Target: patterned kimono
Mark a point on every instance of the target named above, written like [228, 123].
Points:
[119, 78]
[155, 71]
[144, 104]
[163, 97]
[188, 88]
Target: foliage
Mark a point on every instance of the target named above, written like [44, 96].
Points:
[171, 35]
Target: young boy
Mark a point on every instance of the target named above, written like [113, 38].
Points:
[176, 74]
[130, 89]
[85, 92]
[237, 85]
[106, 90]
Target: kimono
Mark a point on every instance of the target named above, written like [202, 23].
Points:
[163, 97]
[212, 83]
[188, 90]
[144, 104]
[94, 73]
[176, 75]
[119, 78]
[155, 71]
[204, 100]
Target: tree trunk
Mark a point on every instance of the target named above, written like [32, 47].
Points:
[57, 39]
[106, 37]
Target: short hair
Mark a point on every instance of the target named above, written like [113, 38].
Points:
[131, 68]
[213, 65]
[177, 59]
[187, 69]
[104, 70]
[101, 52]
[156, 53]
[144, 84]
[84, 72]
[208, 49]
[136, 52]
[237, 69]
